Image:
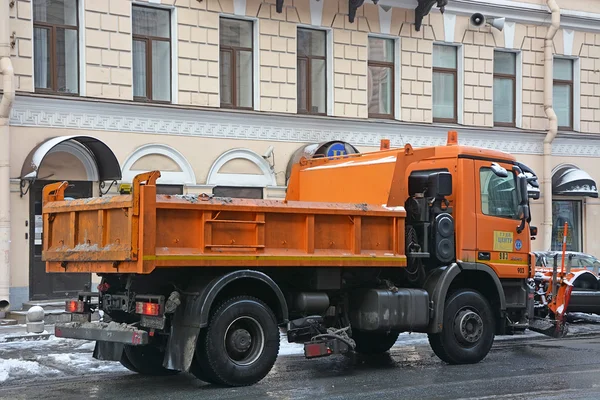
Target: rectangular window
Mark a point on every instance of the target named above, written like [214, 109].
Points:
[312, 71]
[444, 83]
[568, 211]
[56, 46]
[238, 192]
[505, 72]
[236, 63]
[151, 54]
[381, 78]
[499, 196]
[563, 92]
[169, 189]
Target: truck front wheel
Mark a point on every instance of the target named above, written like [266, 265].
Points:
[240, 344]
[468, 329]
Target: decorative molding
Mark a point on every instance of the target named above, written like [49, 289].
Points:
[385, 20]
[449, 27]
[568, 36]
[239, 7]
[185, 176]
[316, 12]
[509, 35]
[528, 13]
[31, 111]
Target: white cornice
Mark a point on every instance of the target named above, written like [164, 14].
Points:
[29, 111]
[516, 11]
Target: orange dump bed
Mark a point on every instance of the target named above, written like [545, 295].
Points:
[140, 232]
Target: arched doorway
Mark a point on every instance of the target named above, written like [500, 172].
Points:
[82, 161]
[570, 186]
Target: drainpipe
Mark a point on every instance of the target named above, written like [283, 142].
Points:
[6, 70]
[553, 122]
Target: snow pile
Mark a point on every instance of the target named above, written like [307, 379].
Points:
[13, 368]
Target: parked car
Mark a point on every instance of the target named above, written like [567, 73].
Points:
[576, 260]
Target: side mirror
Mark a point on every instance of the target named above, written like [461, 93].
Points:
[523, 212]
[523, 190]
[499, 170]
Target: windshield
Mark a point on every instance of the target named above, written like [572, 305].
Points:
[499, 197]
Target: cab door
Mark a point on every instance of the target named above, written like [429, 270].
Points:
[499, 245]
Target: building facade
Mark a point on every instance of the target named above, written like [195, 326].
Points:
[220, 94]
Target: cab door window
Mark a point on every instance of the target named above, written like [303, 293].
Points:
[499, 197]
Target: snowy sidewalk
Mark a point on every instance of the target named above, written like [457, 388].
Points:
[59, 357]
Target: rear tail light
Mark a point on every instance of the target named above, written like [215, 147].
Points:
[74, 306]
[144, 308]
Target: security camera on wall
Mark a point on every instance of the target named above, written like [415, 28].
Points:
[269, 152]
[479, 19]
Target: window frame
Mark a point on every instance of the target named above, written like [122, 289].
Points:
[383, 64]
[52, 50]
[447, 71]
[579, 222]
[234, 53]
[488, 169]
[148, 40]
[571, 84]
[514, 89]
[308, 60]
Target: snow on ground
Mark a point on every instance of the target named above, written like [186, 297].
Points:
[12, 368]
[53, 357]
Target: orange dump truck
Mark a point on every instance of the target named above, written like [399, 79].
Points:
[364, 247]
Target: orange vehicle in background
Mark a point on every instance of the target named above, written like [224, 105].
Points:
[364, 247]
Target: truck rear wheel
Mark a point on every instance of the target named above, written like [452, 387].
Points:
[145, 360]
[373, 342]
[468, 330]
[240, 344]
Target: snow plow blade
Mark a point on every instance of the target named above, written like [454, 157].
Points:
[548, 327]
[102, 331]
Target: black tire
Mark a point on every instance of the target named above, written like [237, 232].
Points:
[197, 368]
[373, 342]
[127, 363]
[472, 343]
[146, 360]
[241, 343]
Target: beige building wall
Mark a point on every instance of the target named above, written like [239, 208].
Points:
[106, 31]
[106, 73]
[22, 53]
[108, 49]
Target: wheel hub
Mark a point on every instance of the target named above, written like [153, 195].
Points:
[468, 327]
[244, 340]
[240, 340]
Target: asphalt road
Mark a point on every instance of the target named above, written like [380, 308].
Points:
[524, 369]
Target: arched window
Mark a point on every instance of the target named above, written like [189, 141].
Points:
[175, 170]
[240, 173]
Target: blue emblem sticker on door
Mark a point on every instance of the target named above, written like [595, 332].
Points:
[518, 244]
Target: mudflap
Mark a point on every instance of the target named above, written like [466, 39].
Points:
[108, 351]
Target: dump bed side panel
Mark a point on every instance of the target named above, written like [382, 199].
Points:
[103, 235]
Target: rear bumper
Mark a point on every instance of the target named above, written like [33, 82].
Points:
[102, 331]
